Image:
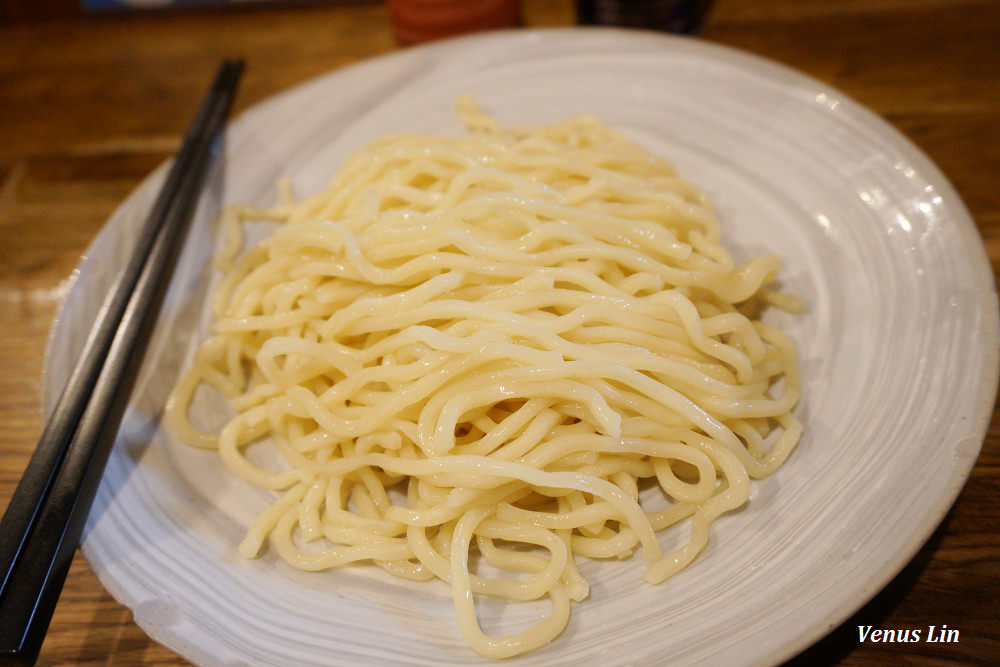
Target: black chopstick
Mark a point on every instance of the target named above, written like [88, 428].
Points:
[47, 513]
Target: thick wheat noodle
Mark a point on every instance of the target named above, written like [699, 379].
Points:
[477, 359]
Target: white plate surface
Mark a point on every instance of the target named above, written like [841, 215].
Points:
[898, 353]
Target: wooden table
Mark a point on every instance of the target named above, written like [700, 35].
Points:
[90, 105]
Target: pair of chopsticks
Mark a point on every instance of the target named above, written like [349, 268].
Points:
[46, 516]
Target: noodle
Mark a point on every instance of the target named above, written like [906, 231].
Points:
[495, 354]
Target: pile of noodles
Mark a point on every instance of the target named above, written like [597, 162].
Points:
[481, 358]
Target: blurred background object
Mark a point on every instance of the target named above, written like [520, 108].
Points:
[144, 4]
[19, 11]
[679, 16]
[101, 5]
[415, 21]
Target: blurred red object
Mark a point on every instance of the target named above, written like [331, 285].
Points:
[415, 21]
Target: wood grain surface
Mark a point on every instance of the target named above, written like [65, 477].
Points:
[89, 105]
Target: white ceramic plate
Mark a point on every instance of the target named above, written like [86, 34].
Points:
[898, 350]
